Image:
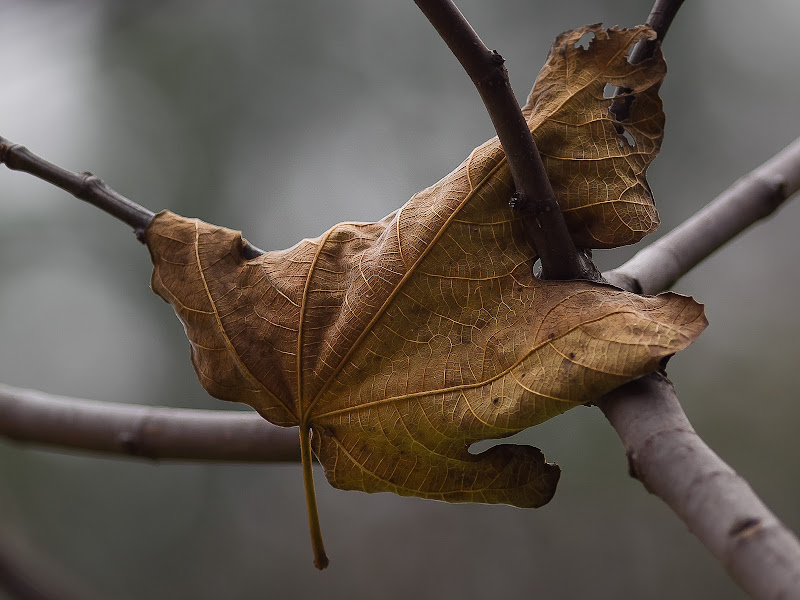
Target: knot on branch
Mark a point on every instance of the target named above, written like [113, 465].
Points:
[91, 182]
[7, 149]
[495, 75]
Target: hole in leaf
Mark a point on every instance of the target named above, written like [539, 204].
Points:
[631, 48]
[537, 268]
[625, 138]
[584, 41]
[627, 135]
[609, 91]
[481, 446]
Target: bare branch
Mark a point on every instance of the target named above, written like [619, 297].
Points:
[664, 451]
[535, 199]
[719, 507]
[660, 18]
[86, 187]
[143, 431]
[752, 198]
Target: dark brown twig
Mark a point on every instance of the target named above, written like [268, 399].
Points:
[534, 199]
[86, 187]
[660, 18]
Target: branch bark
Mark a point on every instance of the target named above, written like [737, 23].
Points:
[660, 18]
[535, 199]
[86, 187]
[719, 507]
[664, 451]
[154, 433]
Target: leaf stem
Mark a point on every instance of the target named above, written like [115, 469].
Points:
[320, 558]
[535, 199]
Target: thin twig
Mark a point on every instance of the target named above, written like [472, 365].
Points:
[84, 186]
[143, 431]
[660, 18]
[544, 222]
[87, 187]
[719, 507]
[752, 198]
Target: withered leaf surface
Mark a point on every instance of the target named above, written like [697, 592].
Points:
[596, 165]
[400, 343]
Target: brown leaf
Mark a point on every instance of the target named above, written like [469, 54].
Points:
[402, 342]
[596, 165]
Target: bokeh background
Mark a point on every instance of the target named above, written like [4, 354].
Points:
[282, 118]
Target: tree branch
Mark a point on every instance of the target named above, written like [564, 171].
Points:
[534, 198]
[143, 431]
[719, 507]
[84, 186]
[660, 18]
[664, 451]
[752, 198]
[87, 187]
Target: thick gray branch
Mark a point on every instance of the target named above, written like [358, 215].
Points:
[752, 198]
[143, 431]
[719, 507]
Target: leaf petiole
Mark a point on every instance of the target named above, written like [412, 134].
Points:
[320, 558]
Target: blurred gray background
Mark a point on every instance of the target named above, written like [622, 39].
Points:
[282, 118]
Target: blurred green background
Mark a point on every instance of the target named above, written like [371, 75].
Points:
[282, 118]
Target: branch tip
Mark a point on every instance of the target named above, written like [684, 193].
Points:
[84, 186]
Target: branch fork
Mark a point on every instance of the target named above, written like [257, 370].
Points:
[719, 507]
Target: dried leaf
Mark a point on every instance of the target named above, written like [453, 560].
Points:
[595, 164]
[402, 342]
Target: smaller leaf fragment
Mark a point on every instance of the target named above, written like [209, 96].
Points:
[596, 165]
